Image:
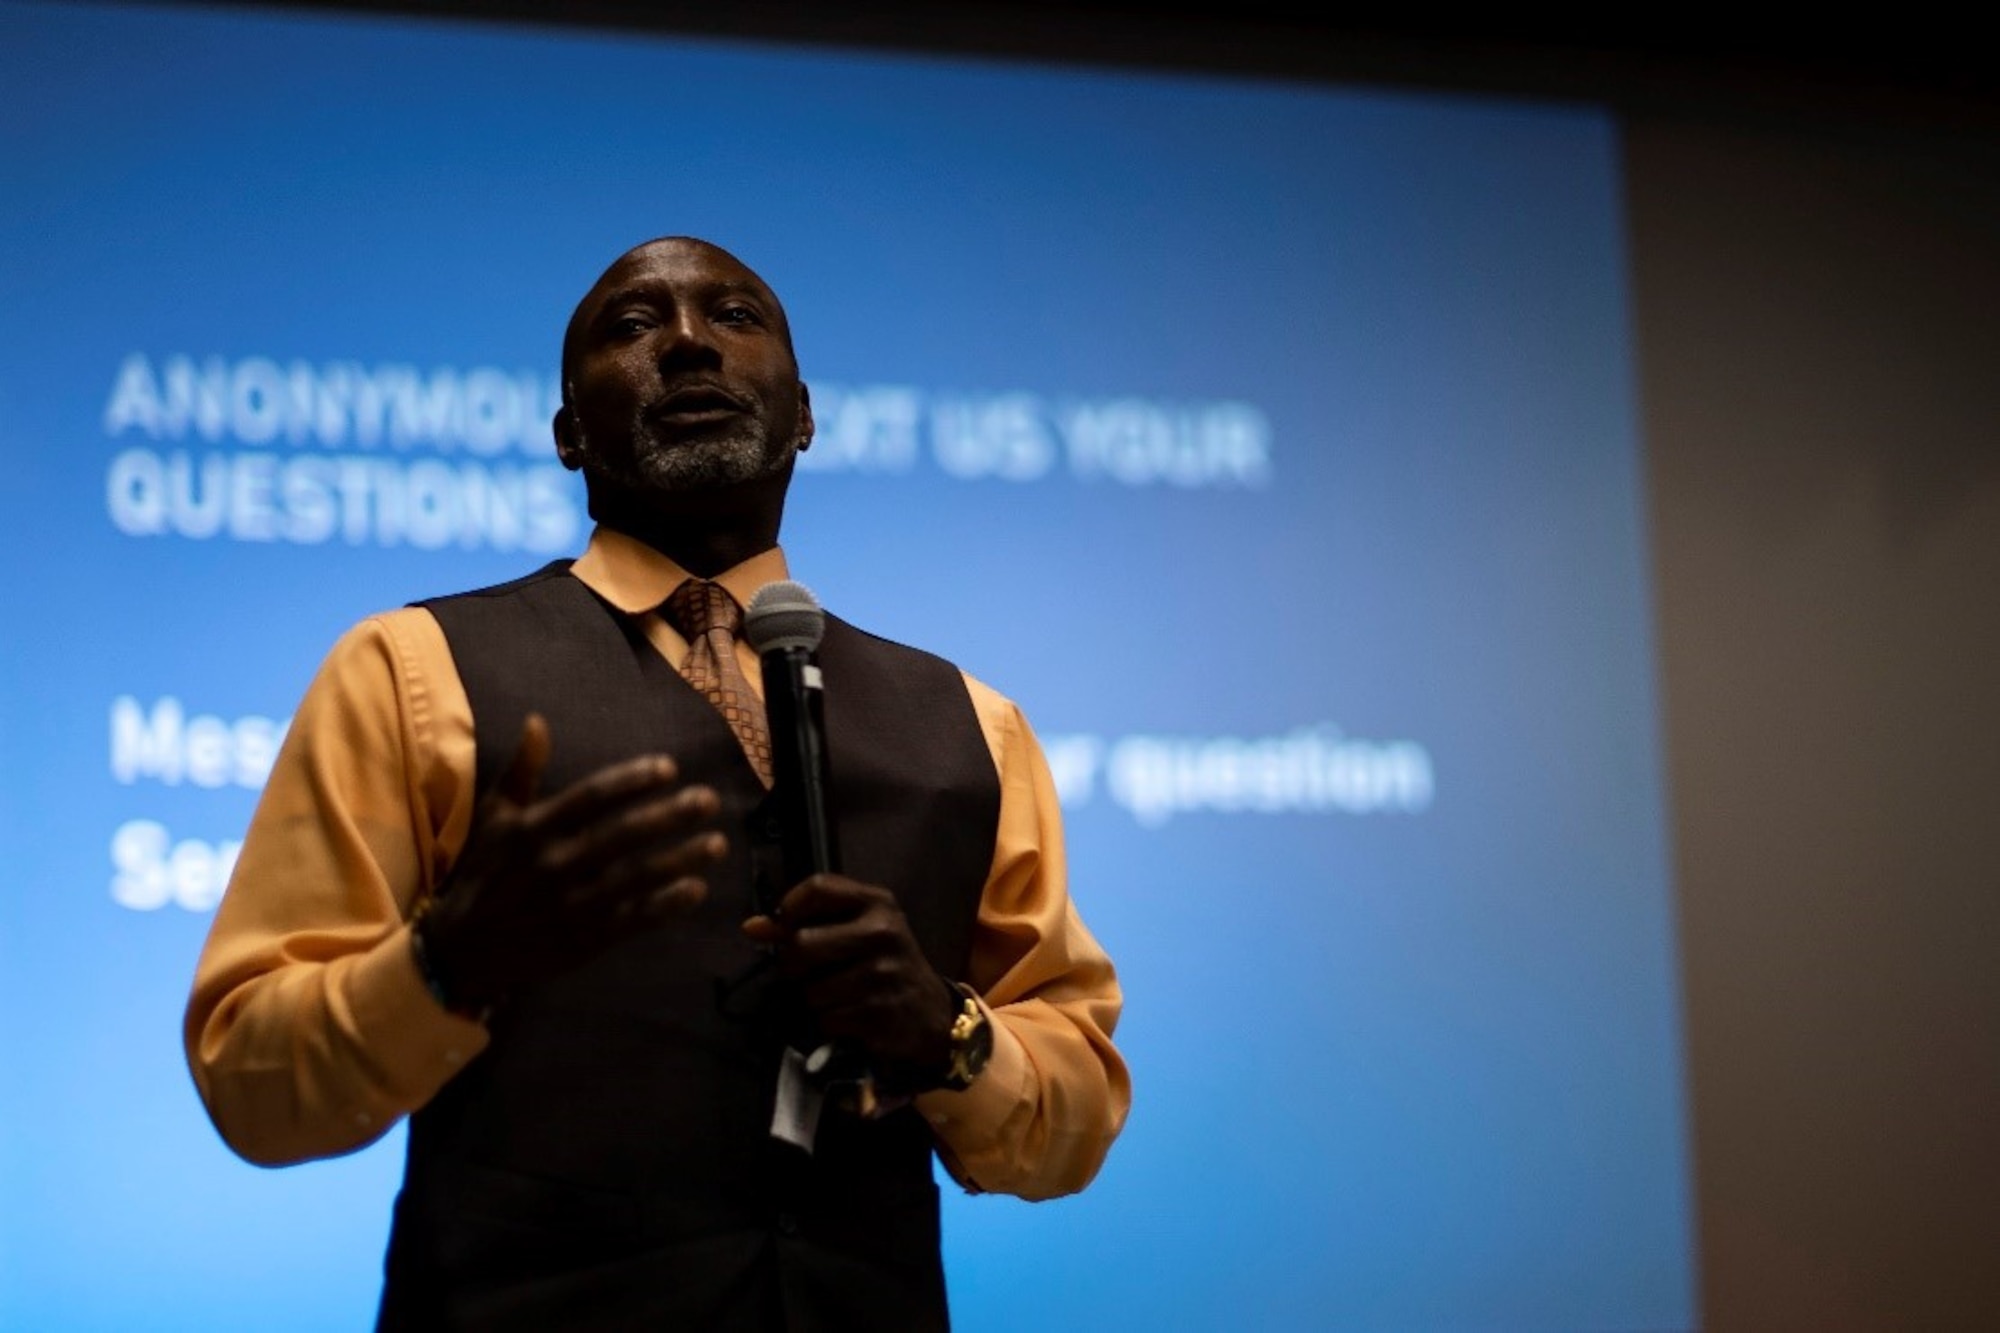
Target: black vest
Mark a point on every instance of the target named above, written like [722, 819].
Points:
[606, 1162]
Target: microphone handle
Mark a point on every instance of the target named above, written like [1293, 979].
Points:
[801, 785]
[801, 781]
[801, 795]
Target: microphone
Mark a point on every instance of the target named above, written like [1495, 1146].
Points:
[784, 624]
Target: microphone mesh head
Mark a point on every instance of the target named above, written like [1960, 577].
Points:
[783, 615]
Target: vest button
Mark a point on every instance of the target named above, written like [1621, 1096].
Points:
[788, 1223]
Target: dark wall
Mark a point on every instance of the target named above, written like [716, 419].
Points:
[1819, 313]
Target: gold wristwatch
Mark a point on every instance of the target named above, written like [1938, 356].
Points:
[971, 1041]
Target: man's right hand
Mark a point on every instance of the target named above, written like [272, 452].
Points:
[544, 884]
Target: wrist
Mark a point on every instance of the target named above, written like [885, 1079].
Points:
[433, 967]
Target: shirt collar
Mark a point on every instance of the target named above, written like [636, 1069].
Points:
[635, 578]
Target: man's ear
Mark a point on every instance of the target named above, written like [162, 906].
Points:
[569, 438]
[805, 435]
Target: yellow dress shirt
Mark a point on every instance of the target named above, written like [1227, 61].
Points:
[310, 1032]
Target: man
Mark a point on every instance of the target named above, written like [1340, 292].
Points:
[503, 879]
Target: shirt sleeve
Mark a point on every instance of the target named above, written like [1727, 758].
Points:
[1038, 1122]
[309, 1031]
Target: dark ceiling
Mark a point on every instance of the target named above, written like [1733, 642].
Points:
[1874, 64]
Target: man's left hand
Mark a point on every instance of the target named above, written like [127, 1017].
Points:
[848, 948]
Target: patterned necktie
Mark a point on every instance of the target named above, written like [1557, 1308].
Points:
[708, 618]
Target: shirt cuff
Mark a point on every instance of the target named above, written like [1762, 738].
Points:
[418, 1044]
[970, 1124]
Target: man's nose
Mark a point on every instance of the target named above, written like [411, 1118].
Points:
[688, 341]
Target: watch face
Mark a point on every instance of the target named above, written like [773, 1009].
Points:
[971, 1044]
[980, 1047]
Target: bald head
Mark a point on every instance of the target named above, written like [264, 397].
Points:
[652, 258]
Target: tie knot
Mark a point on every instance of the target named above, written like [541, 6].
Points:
[698, 606]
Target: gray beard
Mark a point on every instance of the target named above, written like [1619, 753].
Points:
[727, 459]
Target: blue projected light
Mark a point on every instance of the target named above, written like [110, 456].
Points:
[1273, 446]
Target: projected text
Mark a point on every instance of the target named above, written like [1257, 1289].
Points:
[1026, 437]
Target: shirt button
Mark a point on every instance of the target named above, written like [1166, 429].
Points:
[452, 1057]
[788, 1223]
[363, 1119]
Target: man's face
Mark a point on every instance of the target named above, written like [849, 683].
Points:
[681, 375]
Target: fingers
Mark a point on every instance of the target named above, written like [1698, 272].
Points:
[644, 826]
[669, 865]
[859, 990]
[852, 946]
[676, 899]
[823, 899]
[831, 927]
[848, 949]
[545, 883]
[531, 755]
[648, 861]
[588, 916]
[599, 795]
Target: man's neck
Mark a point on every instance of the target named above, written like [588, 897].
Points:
[705, 534]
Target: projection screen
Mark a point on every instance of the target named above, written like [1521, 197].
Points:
[1272, 444]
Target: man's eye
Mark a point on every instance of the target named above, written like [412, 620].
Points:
[737, 314]
[625, 326]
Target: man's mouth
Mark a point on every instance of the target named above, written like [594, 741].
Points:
[695, 402]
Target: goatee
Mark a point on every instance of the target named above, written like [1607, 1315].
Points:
[727, 457]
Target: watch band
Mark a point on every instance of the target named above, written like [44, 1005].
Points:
[427, 968]
[971, 1040]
